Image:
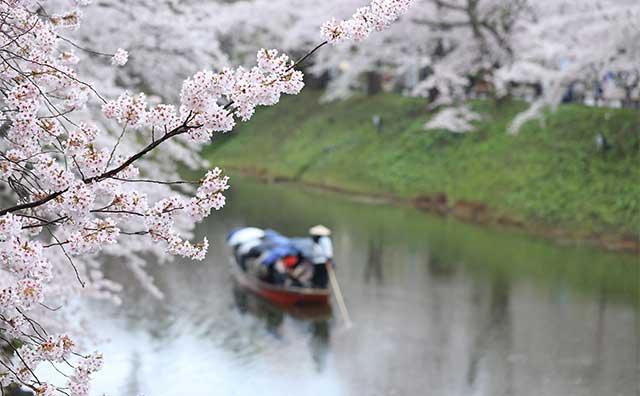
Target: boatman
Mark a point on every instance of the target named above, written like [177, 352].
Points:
[321, 255]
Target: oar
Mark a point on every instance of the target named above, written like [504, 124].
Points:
[338, 294]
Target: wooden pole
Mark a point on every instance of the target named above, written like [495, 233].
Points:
[337, 292]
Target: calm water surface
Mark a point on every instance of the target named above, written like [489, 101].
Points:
[439, 308]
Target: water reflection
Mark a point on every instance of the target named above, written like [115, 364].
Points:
[439, 308]
[373, 267]
[315, 320]
[492, 342]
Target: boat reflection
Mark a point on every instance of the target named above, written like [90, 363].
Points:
[314, 320]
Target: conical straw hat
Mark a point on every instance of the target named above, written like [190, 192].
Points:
[319, 230]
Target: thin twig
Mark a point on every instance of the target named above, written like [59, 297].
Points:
[115, 146]
[20, 356]
[155, 181]
[83, 48]
[61, 244]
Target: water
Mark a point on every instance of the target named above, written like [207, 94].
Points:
[439, 308]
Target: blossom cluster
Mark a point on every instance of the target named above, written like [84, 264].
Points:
[127, 109]
[209, 195]
[25, 260]
[377, 16]
[93, 235]
[78, 383]
[120, 58]
[159, 219]
[244, 89]
[55, 349]
[211, 100]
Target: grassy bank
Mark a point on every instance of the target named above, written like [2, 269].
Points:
[551, 174]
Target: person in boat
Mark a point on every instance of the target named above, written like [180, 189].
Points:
[294, 271]
[271, 268]
[321, 255]
[254, 249]
[243, 241]
[284, 265]
[251, 242]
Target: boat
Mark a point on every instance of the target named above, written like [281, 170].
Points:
[247, 301]
[281, 295]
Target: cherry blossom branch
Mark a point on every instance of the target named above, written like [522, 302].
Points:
[15, 374]
[125, 212]
[33, 323]
[61, 244]
[155, 181]
[57, 70]
[182, 129]
[34, 204]
[58, 221]
[15, 350]
[307, 55]
[30, 205]
[87, 50]
[115, 146]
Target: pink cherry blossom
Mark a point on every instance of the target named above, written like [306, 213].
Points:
[93, 236]
[377, 16]
[120, 58]
[10, 227]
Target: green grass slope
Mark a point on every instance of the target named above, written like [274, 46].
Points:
[551, 173]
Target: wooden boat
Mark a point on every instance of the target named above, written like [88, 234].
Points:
[282, 295]
[248, 301]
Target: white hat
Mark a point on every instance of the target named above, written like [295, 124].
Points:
[319, 230]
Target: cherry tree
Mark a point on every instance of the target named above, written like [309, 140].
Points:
[347, 63]
[451, 50]
[439, 51]
[153, 32]
[572, 42]
[77, 186]
[549, 44]
[454, 38]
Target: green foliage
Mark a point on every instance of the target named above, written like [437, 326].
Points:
[552, 172]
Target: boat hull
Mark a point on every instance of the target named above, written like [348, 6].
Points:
[279, 294]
